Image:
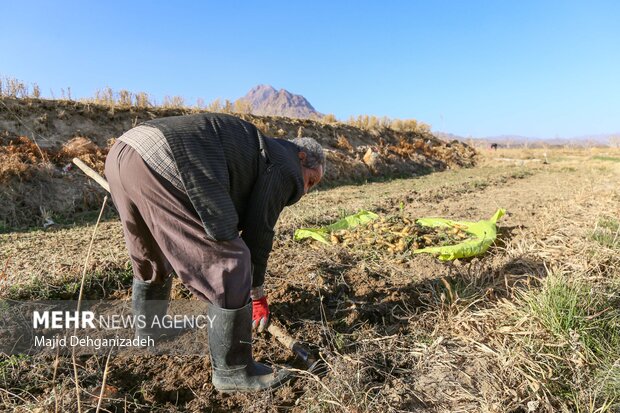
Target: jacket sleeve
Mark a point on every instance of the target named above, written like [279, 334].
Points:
[270, 195]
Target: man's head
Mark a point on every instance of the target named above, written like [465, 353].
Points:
[312, 158]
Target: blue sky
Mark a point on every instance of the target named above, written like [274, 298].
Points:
[473, 68]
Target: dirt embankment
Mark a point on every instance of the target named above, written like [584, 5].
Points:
[38, 138]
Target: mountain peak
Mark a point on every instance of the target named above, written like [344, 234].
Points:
[263, 89]
[266, 100]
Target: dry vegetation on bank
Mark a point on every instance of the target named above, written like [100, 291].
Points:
[39, 137]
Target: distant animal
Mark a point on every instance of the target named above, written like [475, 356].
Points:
[494, 146]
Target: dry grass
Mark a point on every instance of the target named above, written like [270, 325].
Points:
[532, 344]
[539, 333]
[34, 185]
[21, 157]
[531, 326]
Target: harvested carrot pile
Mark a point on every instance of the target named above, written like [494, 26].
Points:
[447, 239]
[397, 234]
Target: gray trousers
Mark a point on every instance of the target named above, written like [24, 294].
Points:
[163, 233]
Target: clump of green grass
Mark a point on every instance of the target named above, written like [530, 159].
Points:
[558, 306]
[99, 284]
[520, 174]
[478, 184]
[10, 363]
[606, 158]
[583, 342]
[607, 232]
[609, 376]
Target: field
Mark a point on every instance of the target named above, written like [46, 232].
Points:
[531, 326]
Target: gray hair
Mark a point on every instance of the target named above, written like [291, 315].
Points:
[315, 156]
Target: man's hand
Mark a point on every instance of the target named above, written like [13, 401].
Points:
[260, 309]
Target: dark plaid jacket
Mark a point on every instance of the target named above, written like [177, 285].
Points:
[236, 178]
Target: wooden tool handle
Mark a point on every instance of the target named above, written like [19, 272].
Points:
[282, 336]
[92, 173]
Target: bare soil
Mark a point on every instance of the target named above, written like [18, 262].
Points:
[399, 332]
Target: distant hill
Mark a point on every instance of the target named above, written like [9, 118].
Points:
[265, 100]
[586, 140]
[517, 140]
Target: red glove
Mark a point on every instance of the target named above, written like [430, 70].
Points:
[260, 314]
[260, 309]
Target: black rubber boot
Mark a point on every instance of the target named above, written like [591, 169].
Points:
[149, 301]
[230, 344]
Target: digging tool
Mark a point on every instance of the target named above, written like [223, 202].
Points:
[313, 364]
[92, 173]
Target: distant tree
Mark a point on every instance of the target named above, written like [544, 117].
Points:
[242, 106]
[36, 92]
[173, 102]
[14, 88]
[385, 122]
[329, 118]
[105, 96]
[124, 98]
[215, 106]
[142, 100]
